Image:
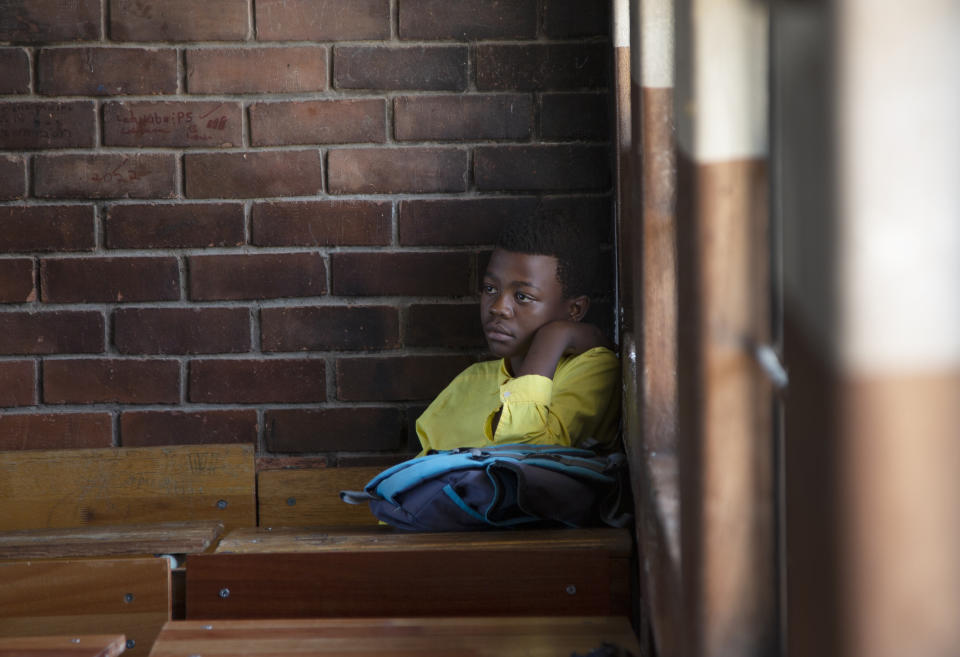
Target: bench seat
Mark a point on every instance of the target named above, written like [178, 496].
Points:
[378, 572]
[70, 645]
[371, 637]
[162, 538]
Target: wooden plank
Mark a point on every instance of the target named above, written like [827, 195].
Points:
[159, 538]
[74, 645]
[509, 579]
[127, 485]
[299, 498]
[122, 595]
[616, 542]
[365, 637]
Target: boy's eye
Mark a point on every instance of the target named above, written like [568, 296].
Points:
[523, 298]
[486, 288]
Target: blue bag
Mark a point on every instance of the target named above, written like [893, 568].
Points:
[500, 486]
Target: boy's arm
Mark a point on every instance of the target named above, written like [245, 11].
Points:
[580, 401]
[556, 339]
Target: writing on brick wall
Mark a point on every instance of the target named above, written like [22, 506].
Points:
[117, 173]
[141, 123]
[18, 123]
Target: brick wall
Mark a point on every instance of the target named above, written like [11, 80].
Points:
[261, 220]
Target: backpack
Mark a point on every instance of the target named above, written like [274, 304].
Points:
[498, 487]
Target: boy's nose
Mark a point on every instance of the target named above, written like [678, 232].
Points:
[501, 307]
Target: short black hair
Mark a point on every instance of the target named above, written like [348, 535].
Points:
[556, 233]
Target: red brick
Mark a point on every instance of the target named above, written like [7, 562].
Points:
[25, 228]
[298, 431]
[106, 71]
[256, 174]
[179, 20]
[257, 70]
[596, 211]
[174, 226]
[444, 325]
[14, 71]
[373, 460]
[208, 124]
[322, 20]
[427, 68]
[256, 276]
[61, 332]
[322, 223]
[542, 168]
[114, 175]
[181, 330]
[322, 328]
[18, 382]
[396, 378]
[575, 18]
[158, 428]
[468, 19]
[409, 274]
[13, 177]
[488, 116]
[55, 431]
[413, 440]
[262, 463]
[397, 170]
[257, 381]
[318, 122]
[458, 222]
[542, 67]
[16, 281]
[31, 125]
[38, 21]
[575, 116]
[105, 380]
[109, 280]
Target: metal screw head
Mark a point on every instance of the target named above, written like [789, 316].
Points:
[224, 592]
[131, 643]
[571, 589]
[128, 597]
[291, 501]
[221, 504]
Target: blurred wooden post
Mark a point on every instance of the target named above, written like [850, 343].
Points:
[871, 218]
[728, 530]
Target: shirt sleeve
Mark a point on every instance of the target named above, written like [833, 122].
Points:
[560, 411]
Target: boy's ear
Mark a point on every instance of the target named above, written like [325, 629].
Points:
[578, 307]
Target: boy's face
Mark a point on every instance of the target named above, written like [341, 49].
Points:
[520, 293]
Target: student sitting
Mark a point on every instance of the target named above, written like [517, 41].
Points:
[557, 380]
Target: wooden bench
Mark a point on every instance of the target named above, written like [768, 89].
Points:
[376, 572]
[44, 489]
[71, 645]
[56, 506]
[129, 596]
[311, 498]
[366, 637]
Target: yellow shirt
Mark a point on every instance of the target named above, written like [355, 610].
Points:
[581, 402]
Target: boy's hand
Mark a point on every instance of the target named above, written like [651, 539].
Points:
[556, 339]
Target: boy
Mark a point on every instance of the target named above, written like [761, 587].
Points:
[557, 381]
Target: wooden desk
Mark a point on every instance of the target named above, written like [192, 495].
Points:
[424, 637]
[71, 645]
